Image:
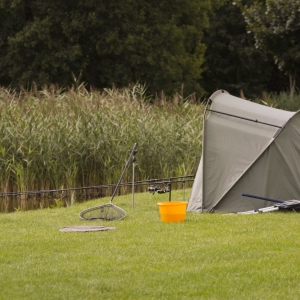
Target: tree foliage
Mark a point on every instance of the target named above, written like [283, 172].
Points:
[104, 42]
[276, 28]
[232, 62]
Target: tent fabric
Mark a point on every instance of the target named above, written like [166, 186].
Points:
[247, 148]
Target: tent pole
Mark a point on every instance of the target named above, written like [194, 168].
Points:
[242, 118]
[209, 101]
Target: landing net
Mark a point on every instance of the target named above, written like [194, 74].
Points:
[106, 212]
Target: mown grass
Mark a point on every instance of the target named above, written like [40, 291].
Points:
[209, 256]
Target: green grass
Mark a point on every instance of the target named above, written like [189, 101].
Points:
[209, 256]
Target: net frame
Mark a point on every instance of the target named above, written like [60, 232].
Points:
[109, 211]
[106, 212]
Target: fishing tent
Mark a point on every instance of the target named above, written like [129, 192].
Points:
[247, 148]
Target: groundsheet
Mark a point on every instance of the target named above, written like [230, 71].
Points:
[85, 228]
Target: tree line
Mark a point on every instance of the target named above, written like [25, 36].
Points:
[178, 46]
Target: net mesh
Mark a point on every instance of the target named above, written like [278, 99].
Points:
[106, 212]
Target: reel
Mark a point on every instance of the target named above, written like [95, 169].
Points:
[160, 190]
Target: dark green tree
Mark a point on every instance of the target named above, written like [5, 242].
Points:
[276, 28]
[105, 42]
[232, 62]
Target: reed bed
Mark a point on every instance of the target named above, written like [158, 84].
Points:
[283, 100]
[53, 139]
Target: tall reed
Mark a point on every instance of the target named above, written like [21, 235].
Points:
[53, 138]
[283, 100]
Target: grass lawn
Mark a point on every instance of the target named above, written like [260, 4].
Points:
[209, 256]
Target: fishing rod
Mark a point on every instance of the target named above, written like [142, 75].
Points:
[136, 183]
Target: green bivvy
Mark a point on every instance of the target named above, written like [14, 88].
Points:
[247, 148]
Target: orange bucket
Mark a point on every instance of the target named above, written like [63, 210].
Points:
[172, 211]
